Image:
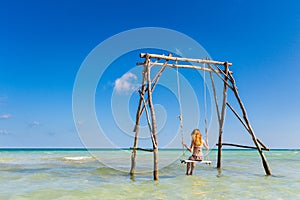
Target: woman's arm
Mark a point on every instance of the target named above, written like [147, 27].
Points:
[205, 145]
[188, 148]
[192, 146]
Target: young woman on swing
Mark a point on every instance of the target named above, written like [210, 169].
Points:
[196, 149]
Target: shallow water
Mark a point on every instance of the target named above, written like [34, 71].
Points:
[53, 174]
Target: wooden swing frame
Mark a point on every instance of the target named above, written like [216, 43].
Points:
[211, 66]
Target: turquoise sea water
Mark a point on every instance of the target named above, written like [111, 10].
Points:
[78, 174]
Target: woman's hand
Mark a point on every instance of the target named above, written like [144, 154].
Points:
[206, 146]
[186, 147]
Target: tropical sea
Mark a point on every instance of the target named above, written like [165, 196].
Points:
[103, 174]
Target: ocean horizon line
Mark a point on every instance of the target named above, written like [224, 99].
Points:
[111, 149]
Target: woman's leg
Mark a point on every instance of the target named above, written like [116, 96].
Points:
[192, 168]
[187, 168]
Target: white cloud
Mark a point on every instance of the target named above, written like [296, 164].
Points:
[3, 132]
[34, 124]
[5, 116]
[127, 83]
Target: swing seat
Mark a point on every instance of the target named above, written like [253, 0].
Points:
[207, 162]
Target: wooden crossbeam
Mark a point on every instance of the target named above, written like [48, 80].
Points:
[242, 146]
[144, 55]
[237, 115]
[141, 149]
[226, 77]
[182, 66]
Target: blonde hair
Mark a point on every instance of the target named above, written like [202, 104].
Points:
[197, 137]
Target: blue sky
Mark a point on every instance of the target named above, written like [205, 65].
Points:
[43, 45]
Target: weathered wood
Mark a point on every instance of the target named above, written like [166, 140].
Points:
[172, 65]
[218, 112]
[187, 67]
[242, 146]
[141, 110]
[154, 82]
[262, 144]
[144, 55]
[153, 118]
[215, 97]
[141, 149]
[148, 120]
[226, 82]
[222, 118]
[237, 115]
[251, 132]
[136, 129]
[222, 72]
[155, 163]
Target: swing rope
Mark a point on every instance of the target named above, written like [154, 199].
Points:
[180, 107]
[205, 109]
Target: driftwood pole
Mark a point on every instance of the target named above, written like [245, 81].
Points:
[250, 130]
[137, 126]
[141, 108]
[222, 117]
[153, 120]
[215, 96]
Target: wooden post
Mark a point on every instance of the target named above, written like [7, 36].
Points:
[137, 126]
[141, 108]
[222, 117]
[215, 96]
[250, 130]
[153, 119]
